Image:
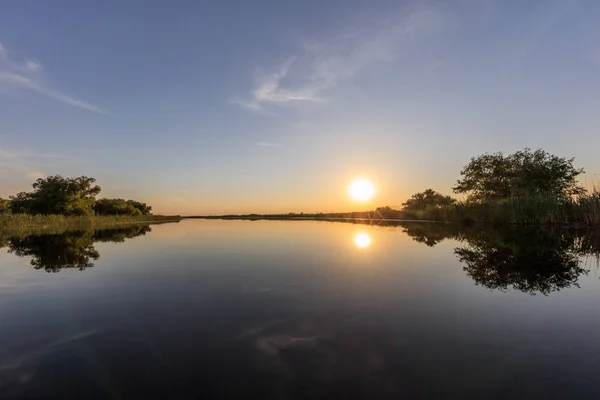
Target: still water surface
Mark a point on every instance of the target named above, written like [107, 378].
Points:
[299, 310]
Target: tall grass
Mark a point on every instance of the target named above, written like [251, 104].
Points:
[539, 210]
[19, 221]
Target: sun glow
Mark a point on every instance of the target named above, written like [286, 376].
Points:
[362, 240]
[361, 190]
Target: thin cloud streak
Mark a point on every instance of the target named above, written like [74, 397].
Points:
[323, 65]
[27, 76]
[268, 144]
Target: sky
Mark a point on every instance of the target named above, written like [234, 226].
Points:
[199, 107]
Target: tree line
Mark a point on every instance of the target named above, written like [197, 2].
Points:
[56, 195]
[496, 177]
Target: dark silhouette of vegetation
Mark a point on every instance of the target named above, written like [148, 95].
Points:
[429, 234]
[119, 235]
[56, 252]
[427, 199]
[530, 269]
[71, 249]
[525, 173]
[529, 260]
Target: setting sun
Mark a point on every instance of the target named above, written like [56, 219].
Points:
[361, 190]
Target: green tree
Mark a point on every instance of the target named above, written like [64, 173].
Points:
[523, 173]
[427, 199]
[121, 207]
[114, 207]
[21, 203]
[58, 195]
[144, 208]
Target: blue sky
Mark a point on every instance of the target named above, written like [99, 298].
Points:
[272, 106]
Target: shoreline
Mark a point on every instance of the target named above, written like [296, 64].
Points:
[15, 222]
[388, 221]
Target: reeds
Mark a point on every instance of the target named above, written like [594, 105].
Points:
[21, 221]
[535, 210]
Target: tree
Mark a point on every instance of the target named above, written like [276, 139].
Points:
[523, 173]
[386, 213]
[21, 203]
[427, 199]
[144, 208]
[114, 207]
[121, 207]
[58, 195]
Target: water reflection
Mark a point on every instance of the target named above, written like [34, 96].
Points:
[362, 240]
[72, 249]
[242, 309]
[530, 260]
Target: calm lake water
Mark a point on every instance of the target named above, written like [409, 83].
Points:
[300, 310]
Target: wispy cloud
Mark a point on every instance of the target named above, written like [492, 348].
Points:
[324, 64]
[268, 144]
[29, 75]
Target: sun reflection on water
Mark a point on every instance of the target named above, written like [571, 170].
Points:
[362, 240]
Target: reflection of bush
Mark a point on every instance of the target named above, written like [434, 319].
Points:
[120, 234]
[72, 249]
[528, 269]
[55, 252]
[429, 233]
[526, 259]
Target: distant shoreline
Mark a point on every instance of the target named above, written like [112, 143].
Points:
[307, 217]
[444, 215]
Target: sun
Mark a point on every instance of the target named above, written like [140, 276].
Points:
[361, 190]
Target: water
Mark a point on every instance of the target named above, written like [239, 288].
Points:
[299, 310]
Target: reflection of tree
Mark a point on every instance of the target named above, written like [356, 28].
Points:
[528, 268]
[429, 233]
[120, 234]
[530, 260]
[71, 249]
[55, 252]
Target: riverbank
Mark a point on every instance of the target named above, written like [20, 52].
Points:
[50, 222]
[534, 210]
